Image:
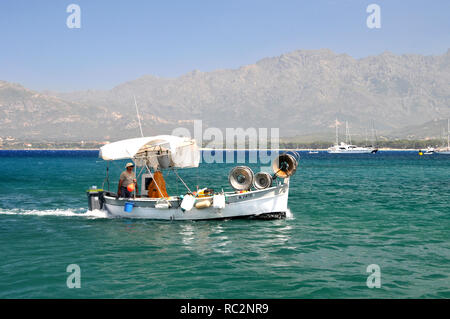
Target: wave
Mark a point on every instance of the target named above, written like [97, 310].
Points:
[289, 214]
[92, 214]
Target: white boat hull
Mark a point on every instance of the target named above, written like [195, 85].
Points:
[443, 152]
[266, 203]
[345, 148]
[351, 152]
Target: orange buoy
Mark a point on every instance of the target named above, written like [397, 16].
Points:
[130, 187]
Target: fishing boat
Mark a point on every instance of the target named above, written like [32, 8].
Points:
[261, 195]
[346, 147]
[445, 150]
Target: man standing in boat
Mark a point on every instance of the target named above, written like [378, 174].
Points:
[127, 178]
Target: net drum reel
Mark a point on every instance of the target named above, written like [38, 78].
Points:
[241, 178]
[163, 159]
[285, 165]
[262, 180]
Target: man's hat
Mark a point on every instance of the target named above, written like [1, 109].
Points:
[129, 165]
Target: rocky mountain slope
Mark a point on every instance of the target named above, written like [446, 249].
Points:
[301, 92]
[32, 115]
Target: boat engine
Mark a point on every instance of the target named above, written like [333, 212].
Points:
[95, 198]
[262, 180]
[241, 178]
[285, 165]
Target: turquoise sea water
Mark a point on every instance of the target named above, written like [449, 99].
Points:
[348, 211]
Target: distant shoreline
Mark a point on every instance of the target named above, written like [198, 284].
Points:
[208, 149]
[48, 149]
[300, 149]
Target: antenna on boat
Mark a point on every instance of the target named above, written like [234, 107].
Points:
[137, 113]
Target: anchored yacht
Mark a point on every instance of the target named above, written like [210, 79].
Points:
[347, 147]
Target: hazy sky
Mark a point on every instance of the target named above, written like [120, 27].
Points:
[122, 40]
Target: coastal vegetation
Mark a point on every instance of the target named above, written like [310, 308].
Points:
[383, 144]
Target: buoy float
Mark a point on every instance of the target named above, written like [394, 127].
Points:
[203, 204]
[130, 187]
[420, 153]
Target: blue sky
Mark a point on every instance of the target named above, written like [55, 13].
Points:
[122, 40]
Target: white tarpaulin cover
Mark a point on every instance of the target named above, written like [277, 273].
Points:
[179, 151]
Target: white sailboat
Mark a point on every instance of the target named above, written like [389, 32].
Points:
[347, 147]
[445, 150]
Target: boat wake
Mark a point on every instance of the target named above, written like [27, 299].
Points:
[57, 212]
[289, 214]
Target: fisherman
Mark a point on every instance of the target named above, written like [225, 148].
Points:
[127, 178]
[157, 187]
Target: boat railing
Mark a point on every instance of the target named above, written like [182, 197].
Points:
[178, 197]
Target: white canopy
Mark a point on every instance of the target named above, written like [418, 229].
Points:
[162, 150]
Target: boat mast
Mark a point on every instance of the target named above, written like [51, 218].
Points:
[373, 134]
[348, 139]
[448, 134]
[137, 113]
[367, 138]
[337, 132]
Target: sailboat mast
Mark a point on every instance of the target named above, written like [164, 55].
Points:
[337, 132]
[443, 137]
[347, 134]
[373, 134]
[367, 139]
[448, 134]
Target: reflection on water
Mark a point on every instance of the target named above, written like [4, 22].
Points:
[203, 237]
[187, 235]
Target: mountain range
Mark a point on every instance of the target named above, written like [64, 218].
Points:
[301, 92]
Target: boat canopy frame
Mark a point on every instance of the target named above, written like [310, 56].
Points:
[161, 150]
[158, 152]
